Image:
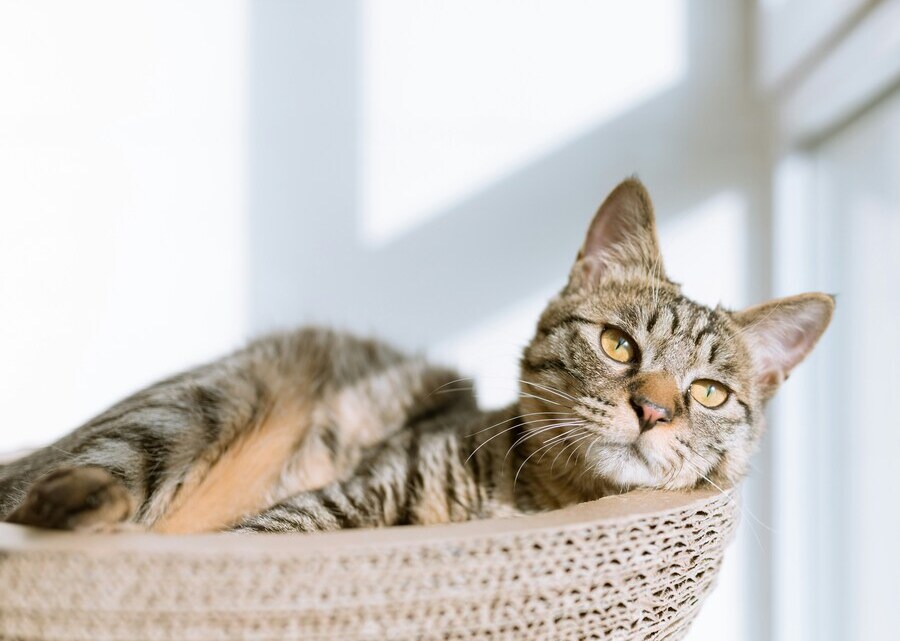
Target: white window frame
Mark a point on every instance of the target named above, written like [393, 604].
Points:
[844, 58]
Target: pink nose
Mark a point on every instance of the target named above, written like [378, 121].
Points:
[650, 413]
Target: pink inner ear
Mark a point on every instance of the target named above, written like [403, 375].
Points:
[621, 219]
[781, 334]
[606, 229]
[780, 352]
[622, 235]
[772, 378]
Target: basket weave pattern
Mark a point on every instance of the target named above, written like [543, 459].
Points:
[584, 573]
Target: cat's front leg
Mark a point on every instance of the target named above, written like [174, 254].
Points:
[382, 492]
[334, 507]
[417, 476]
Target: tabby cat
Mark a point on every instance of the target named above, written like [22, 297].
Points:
[625, 384]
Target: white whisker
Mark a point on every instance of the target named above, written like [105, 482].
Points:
[540, 398]
[519, 471]
[540, 430]
[514, 418]
[547, 388]
[456, 380]
[575, 442]
[561, 437]
[512, 427]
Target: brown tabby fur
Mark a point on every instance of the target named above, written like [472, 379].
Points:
[318, 430]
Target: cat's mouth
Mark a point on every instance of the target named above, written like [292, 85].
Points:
[638, 464]
[624, 455]
[608, 436]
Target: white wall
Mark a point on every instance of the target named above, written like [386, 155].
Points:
[122, 153]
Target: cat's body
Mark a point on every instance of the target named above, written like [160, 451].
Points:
[384, 438]
[625, 384]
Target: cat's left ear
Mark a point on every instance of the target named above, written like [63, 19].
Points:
[779, 334]
[621, 238]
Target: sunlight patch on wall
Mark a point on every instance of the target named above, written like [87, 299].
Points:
[458, 95]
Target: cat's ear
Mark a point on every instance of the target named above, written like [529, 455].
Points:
[780, 333]
[622, 237]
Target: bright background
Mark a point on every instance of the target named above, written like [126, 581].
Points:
[177, 177]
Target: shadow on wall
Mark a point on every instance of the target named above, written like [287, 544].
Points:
[497, 246]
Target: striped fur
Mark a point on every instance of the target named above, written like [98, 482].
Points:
[318, 430]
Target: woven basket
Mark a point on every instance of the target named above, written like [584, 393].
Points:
[635, 566]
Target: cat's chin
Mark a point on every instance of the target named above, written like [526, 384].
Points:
[622, 466]
[635, 465]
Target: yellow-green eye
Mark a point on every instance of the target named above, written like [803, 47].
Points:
[709, 393]
[617, 345]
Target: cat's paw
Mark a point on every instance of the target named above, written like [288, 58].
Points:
[75, 498]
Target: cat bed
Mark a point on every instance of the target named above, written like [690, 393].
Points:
[635, 566]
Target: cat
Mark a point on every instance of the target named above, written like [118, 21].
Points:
[626, 384]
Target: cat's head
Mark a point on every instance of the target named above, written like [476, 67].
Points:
[632, 384]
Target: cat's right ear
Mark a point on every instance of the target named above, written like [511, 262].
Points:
[621, 238]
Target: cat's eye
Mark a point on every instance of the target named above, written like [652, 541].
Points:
[709, 393]
[617, 345]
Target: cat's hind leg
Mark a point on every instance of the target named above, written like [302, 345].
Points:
[75, 498]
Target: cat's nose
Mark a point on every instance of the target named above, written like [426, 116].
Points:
[650, 413]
